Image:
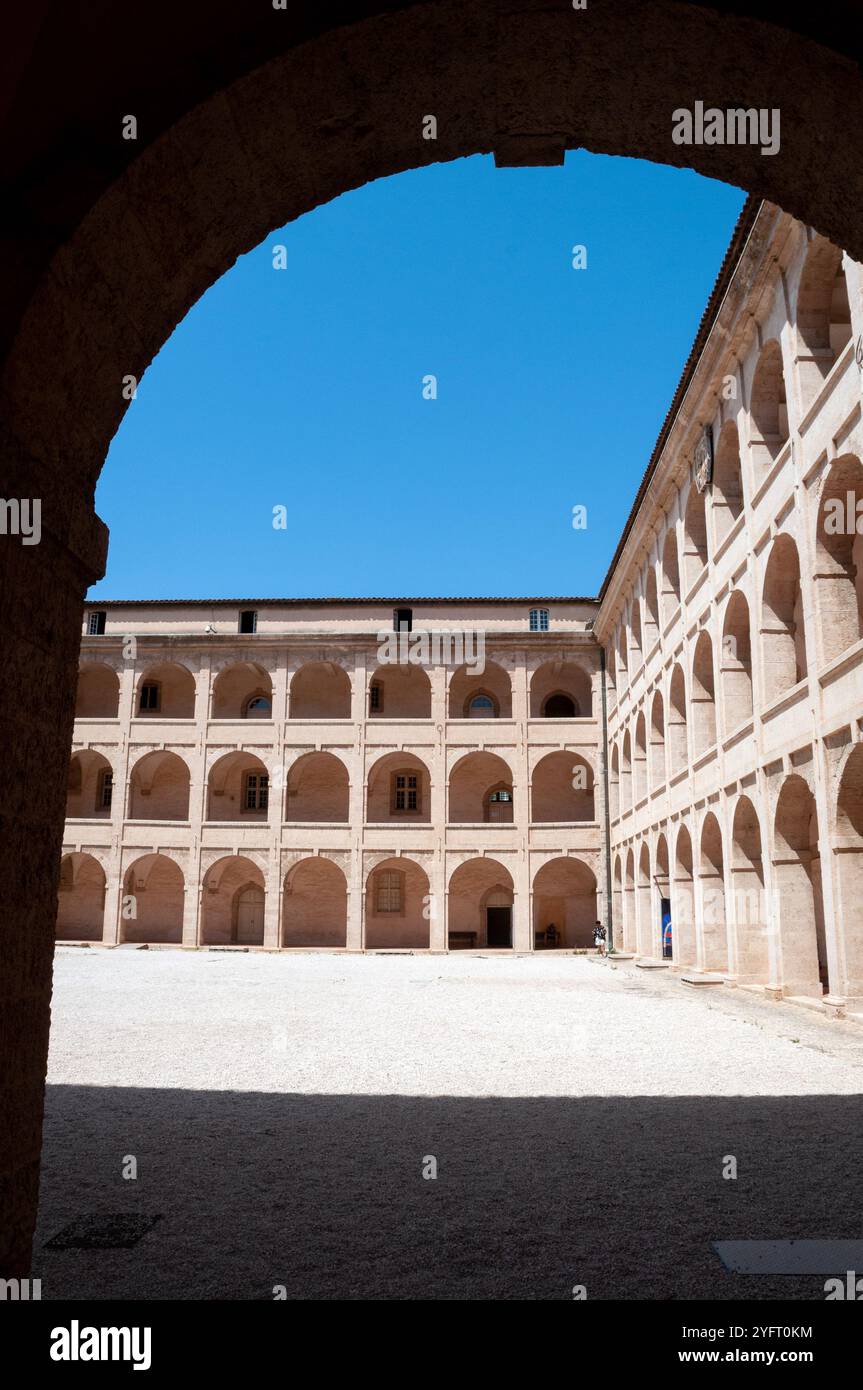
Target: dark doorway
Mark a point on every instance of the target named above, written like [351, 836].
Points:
[499, 926]
[665, 909]
[560, 707]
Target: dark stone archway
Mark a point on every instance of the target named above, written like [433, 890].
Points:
[248, 117]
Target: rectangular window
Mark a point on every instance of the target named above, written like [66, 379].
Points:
[539, 620]
[406, 791]
[149, 697]
[257, 791]
[96, 624]
[388, 891]
[403, 619]
[106, 790]
[249, 620]
[375, 701]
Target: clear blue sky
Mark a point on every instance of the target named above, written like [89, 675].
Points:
[303, 387]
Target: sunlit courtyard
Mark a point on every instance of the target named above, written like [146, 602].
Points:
[416, 1126]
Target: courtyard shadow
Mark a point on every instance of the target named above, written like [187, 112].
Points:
[325, 1195]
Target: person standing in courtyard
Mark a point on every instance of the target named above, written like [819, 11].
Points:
[599, 938]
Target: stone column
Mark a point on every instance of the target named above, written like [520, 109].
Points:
[522, 916]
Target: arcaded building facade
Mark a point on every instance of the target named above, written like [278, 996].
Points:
[732, 622]
[406, 775]
[679, 757]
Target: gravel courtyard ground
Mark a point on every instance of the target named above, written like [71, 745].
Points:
[281, 1110]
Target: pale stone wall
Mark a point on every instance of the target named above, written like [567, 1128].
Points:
[179, 815]
[733, 627]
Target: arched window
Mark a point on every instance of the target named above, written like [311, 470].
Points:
[499, 806]
[481, 706]
[258, 707]
[560, 706]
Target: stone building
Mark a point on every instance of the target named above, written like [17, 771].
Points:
[732, 621]
[335, 773]
[680, 756]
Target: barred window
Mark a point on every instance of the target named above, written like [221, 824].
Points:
[388, 891]
[539, 620]
[376, 697]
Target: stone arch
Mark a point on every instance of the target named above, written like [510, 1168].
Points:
[662, 885]
[848, 859]
[159, 786]
[243, 690]
[318, 789]
[562, 789]
[651, 609]
[839, 557]
[210, 181]
[89, 786]
[645, 930]
[614, 783]
[769, 406]
[473, 778]
[683, 901]
[626, 773]
[622, 648]
[713, 917]
[165, 690]
[152, 908]
[670, 575]
[320, 690]
[635, 637]
[555, 679]
[694, 537]
[798, 890]
[476, 886]
[751, 916]
[629, 922]
[98, 693]
[398, 906]
[639, 766]
[617, 905]
[703, 696]
[727, 493]
[736, 663]
[783, 637]
[564, 897]
[823, 315]
[678, 755]
[315, 904]
[238, 789]
[233, 898]
[81, 899]
[657, 772]
[466, 686]
[398, 790]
